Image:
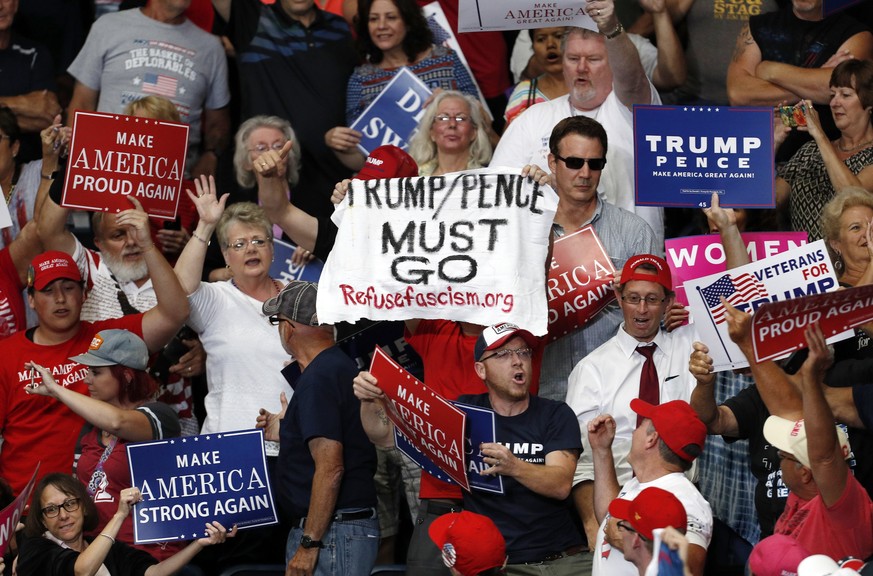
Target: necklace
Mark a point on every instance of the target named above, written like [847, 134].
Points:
[853, 148]
[277, 286]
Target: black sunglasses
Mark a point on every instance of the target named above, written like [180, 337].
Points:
[574, 163]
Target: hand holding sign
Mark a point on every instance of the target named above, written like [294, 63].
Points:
[820, 358]
[269, 421]
[739, 327]
[55, 140]
[719, 218]
[342, 139]
[340, 191]
[209, 206]
[500, 458]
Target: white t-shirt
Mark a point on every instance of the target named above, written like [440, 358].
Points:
[526, 141]
[609, 562]
[244, 358]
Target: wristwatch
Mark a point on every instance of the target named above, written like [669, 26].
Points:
[307, 542]
[615, 33]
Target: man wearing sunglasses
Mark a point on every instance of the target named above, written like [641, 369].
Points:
[605, 78]
[537, 444]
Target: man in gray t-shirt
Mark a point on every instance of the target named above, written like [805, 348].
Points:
[156, 50]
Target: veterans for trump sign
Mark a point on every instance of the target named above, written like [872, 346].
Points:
[431, 423]
[482, 15]
[186, 482]
[684, 154]
[580, 281]
[778, 328]
[113, 156]
[466, 246]
[802, 271]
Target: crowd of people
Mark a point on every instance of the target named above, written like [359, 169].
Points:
[610, 440]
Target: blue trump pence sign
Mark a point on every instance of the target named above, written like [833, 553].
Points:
[187, 482]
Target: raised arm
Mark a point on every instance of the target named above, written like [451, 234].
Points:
[34, 110]
[83, 98]
[629, 78]
[718, 419]
[725, 221]
[839, 174]
[743, 85]
[216, 133]
[163, 321]
[826, 458]
[24, 249]
[131, 425]
[52, 219]
[377, 426]
[189, 266]
[671, 70]
[601, 433]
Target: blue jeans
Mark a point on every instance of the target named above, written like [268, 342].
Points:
[350, 548]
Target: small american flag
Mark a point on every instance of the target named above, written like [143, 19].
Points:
[743, 288]
[159, 84]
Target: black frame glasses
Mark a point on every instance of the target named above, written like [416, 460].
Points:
[522, 353]
[574, 163]
[52, 510]
[625, 526]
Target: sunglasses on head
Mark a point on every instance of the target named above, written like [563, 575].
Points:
[574, 163]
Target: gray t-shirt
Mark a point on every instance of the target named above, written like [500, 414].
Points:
[128, 55]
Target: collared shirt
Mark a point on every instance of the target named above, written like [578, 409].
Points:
[606, 381]
[623, 235]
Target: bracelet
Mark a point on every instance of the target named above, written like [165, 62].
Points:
[194, 235]
[48, 177]
[615, 33]
[108, 536]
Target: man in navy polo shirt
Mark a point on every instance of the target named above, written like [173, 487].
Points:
[326, 462]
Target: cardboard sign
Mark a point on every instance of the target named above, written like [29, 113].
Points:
[389, 336]
[481, 15]
[186, 482]
[285, 270]
[465, 246]
[394, 115]
[801, 271]
[480, 428]
[580, 281]
[429, 421]
[777, 328]
[683, 154]
[11, 515]
[113, 156]
[693, 257]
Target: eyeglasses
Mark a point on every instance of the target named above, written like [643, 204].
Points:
[574, 163]
[459, 118]
[625, 526]
[261, 148]
[634, 299]
[52, 510]
[522, 353]
[241, 245]
[275, 320]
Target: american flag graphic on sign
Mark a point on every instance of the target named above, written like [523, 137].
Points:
[743, 288]
[159, 84]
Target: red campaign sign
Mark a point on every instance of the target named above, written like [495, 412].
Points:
[777, 327]
[428, 421]
[580, 281]
[11, 515]
[113, 156]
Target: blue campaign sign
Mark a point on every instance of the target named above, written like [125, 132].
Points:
[833, 6]
[186, 482]
[683, 154]
[394, 115]
[283, 269]
[480, 428]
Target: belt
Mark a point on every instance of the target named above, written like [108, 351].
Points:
[438, 508]
[571, 551]
[340, 517]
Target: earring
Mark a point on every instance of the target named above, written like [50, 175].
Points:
[838, 263]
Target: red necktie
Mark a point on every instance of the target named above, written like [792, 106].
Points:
[649, 387]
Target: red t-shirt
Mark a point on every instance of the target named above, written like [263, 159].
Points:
[12, 318]
[38, 428]
[447, 355]
[844, 529]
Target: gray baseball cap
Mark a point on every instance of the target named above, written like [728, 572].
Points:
[296, 302]
[111, 347]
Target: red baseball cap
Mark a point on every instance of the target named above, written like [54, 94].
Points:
[470, 543]
[662, 276]
[497, 335]
[50, 266]
[677, 424]
[652, 508]
[388, 162]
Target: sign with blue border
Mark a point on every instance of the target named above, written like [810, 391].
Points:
[394, 115]
[189, 481]
[285, 270]
[684, 154]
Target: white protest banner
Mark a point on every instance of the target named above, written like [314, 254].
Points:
[481, 15]
[5, 218]
[798, 272]
[465, 246]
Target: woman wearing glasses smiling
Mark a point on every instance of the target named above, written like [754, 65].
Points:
[55, 543]
[244, 353]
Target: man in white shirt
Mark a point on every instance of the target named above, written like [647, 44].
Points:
[605, 381]
[663, 448]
